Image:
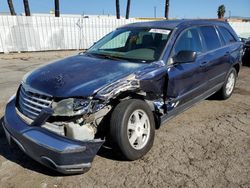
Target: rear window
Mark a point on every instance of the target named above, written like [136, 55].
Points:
[227, 36]
[211, 38]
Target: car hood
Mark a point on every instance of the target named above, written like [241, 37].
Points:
[79, 75]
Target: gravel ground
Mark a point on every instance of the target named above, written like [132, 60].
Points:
[206, 146]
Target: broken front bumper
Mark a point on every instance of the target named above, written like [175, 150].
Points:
[54, 151]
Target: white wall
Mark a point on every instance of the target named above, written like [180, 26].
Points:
[39, 33]
[42, 33]
[241, 28]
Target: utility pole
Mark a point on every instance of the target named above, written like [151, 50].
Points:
[155, 11]
[57, 8]
[11, 7]
[26, 7]
[128, 9]
[167, 9]
[117, 5]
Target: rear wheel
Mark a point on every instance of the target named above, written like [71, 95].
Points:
[228, 87]
[132, 128]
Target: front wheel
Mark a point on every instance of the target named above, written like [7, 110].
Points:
[132, 128]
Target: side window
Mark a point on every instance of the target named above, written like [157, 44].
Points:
[189, 41]
[211, 38]
[228, 37]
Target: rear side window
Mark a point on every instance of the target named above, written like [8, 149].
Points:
[227, 36]
[189, 41]
[211, 38]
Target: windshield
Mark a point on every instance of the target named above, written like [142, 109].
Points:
[132, 44]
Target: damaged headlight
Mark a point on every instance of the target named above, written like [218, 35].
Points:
[73, 107]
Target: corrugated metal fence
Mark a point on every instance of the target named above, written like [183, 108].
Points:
[42, 33]
[241, 28]
[39, 33]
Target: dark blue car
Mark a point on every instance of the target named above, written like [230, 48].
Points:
[121, 89]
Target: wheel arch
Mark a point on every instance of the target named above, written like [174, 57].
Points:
[237, 67]
[140, 96]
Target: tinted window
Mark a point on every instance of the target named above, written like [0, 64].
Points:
[211, 38]
[189, 41]
[228, 37]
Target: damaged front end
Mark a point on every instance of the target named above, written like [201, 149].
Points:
[74, 118]
[45, 141]
[64, 133]
[79, 118]
[60, 135]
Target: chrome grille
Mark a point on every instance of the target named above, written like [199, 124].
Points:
[31, 103]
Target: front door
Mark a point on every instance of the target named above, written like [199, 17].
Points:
[187, 80]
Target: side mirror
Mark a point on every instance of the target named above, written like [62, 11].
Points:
[243, 39]
[185, 57]
[247, 43]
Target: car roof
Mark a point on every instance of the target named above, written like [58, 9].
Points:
[171, 24]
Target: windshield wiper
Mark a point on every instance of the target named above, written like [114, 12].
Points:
[106, 56]
[109, 57]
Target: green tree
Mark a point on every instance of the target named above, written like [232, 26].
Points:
[57, 8]
[221, 11]
[117, 5]
[166, 9]
[11, 7]
[26, 7]
[128, 9]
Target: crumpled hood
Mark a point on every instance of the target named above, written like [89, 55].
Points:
[79, 75]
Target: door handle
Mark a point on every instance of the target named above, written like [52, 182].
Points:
[203, 64]
[227, 54]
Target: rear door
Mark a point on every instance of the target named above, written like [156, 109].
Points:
[187, 80]
[231, 45]
[217, 56]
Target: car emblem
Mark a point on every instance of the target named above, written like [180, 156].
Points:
[59, 79]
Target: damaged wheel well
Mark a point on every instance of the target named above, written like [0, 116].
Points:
[140, 96]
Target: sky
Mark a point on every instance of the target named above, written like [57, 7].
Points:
[139, 8]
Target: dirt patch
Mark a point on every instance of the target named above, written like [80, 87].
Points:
[241, 91]
[206, 146]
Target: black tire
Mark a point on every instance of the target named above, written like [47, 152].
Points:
[223, 93]
[120, 134]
